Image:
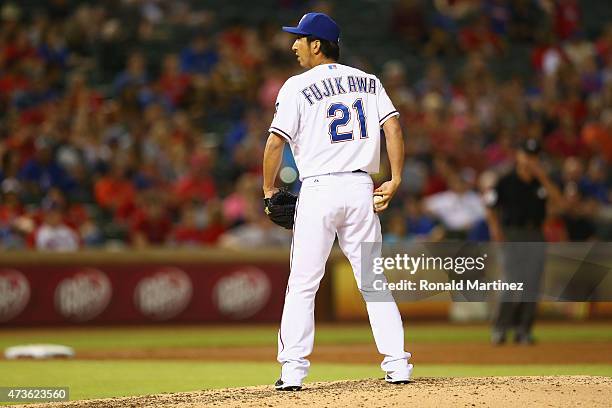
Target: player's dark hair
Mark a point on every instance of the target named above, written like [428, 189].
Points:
[329, 49]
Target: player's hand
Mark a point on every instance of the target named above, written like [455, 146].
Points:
[280, 208]
[386, 191]
[269, 192]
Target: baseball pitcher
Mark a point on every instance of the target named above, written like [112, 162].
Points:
[331, 116]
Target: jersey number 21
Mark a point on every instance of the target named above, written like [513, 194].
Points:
[341, 115]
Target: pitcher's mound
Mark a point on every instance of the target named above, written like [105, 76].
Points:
[552, 391]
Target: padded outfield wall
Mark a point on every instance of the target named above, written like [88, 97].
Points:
[186, 286]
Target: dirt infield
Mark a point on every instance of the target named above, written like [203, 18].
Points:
[427, 353]
[562, 391]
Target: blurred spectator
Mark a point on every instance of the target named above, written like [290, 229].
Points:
[250, 124]
[80, 188]
[172, 82]
[525, 16]
[18, 48]
[9, 169]
[58, 10]
[415, 173]
[198, 228]
[53, 50]
[151, 224]
[598, 135]
[594, 185]
[578, 50]
[572, 171]
[54, 234]
[272, 83]
[434, 81]
[10, 207]
[215, 223]
[440, 41]
[567, 18]
[90, 233]
[591, 78]
[396, 85]
[249, 150]
[418, 223]
[459, 209]
[436, 182]
[603, 45]
[499, 15]
[408, 21]
[457, 9]
[133, 76]
[11, 211]
[480, 38]
[577, 219]
[395, 231]
[197, 184]
[190, 229]
[547, 56]
[199, 57]
[257, 231]
[500, 152]
[486, 182]
[236, 204]
[564, 142]
[42, 172]
[115, 191]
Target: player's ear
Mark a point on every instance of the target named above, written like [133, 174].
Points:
[315, 46]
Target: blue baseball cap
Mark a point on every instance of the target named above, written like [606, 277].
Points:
[317, 25]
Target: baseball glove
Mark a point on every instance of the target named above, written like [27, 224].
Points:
[280, 208]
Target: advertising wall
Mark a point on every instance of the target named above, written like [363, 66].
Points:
[113, 288]
[204, 286]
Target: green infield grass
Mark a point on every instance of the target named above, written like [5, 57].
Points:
[193, 336]
[108, 378]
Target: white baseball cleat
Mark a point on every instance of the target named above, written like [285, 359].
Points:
[282, 386]
[399, 377]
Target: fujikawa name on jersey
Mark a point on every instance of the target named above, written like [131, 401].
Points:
[331, 115]
[333, 86]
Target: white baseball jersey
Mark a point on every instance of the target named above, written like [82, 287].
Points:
[331, 116]
[58, 238]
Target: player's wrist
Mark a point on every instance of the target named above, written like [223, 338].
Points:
[268, 191]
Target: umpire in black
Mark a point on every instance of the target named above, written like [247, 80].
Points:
[516, 209]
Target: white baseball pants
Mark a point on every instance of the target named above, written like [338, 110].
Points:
[329, 205]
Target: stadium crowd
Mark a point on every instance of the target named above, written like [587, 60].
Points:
[102, 144]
